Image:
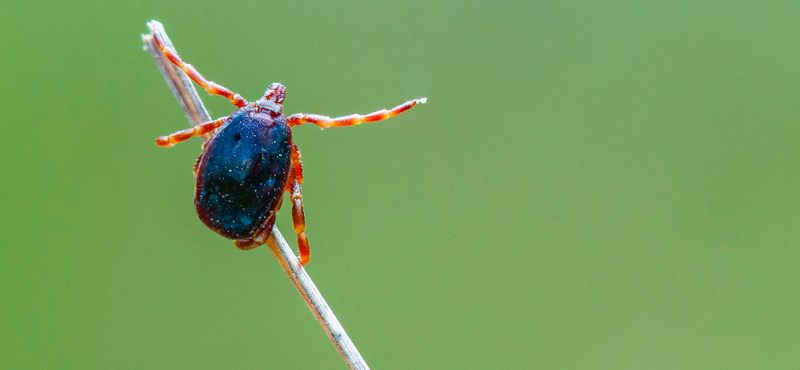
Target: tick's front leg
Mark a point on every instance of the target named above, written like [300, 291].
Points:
[210, 86]
[353, 119]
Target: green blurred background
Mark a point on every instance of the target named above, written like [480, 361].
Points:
[591, 186]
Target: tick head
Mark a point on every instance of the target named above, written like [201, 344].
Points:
[273, 99]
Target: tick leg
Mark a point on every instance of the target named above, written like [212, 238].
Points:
[298, 166]
[210, 86]
[299, 221]
[353, 119]
[260, 237]
[245, 244]
[198, 130]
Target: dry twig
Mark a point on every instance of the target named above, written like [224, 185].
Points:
[187, 96]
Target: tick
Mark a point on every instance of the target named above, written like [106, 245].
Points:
[250, 160]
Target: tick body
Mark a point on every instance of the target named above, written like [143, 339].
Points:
[242, 173]
[251, 160]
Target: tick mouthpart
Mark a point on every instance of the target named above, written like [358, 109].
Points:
[276, 93]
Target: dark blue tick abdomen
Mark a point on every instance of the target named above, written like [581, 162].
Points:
[242, 173]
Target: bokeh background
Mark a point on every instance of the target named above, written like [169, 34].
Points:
[591, 185]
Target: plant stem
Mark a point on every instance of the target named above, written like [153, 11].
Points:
[187, 96]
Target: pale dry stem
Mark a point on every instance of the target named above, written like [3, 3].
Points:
[187, 96]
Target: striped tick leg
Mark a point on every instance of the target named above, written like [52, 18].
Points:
[183, 135]
[299, 221]
[297, 166]
[353, 119]
[210, 86]
[298, 216]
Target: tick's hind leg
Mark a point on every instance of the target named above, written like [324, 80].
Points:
[353, 119]
[297, 166]
[299, 221]
[210, 86]
[198, 130]
[260, 237]
[298, 215]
